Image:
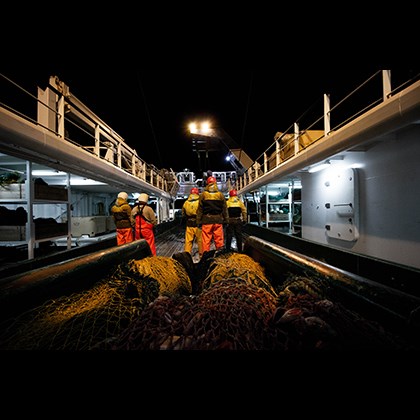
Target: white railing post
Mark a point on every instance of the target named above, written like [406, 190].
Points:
[97, 147]
[386, 80]
[296, 138]
[277, 153]
[327, 115]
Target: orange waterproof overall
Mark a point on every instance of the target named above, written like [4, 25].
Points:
[209, 232]
[144, 230]
[124, 236]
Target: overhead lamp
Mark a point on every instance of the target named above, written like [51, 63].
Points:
[47, 172]
[85, 181]
[319, 167]
[193, 128]
[203, 128]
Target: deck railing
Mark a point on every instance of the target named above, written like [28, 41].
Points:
[59, 111]
[313, 126]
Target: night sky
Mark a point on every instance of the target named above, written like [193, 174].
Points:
[151, 108]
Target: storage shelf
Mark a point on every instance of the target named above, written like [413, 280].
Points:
[30, 194]
[277, 209]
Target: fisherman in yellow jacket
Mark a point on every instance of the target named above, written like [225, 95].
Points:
[192, 231]
[237, 218]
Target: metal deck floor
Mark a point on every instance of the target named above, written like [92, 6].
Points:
[172, 242]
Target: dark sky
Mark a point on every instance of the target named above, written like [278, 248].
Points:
[151, 108]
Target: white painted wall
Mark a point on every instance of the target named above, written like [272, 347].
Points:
[389, 200]
[90, 203]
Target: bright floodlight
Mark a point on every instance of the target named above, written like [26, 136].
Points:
[205, 127]
[193, 128]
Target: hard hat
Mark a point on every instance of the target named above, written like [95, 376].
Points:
[233, 193]
[123, 195]
[211, 180]
[195, 190]
[143, 198]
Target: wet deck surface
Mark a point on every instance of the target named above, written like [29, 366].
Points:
[172, 242]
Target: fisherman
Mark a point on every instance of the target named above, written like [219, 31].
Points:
[144, 221]
[192, 231]
[212, 214]
[237, 218]
[121, 212]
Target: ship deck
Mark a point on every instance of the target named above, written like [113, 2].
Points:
[172, 242]
[168, 242]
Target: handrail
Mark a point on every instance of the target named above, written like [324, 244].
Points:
[295, 140]
[60, 112]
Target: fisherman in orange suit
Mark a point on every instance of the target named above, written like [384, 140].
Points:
[145, 221]
[212, 214]
[121, 211]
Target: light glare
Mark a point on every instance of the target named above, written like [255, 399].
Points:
[205, 127]
[193, 128]
[318, 168]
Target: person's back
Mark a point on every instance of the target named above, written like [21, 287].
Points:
[212, 215]
[144, 221]
[192, 231]
[121, 212]
[237, 217]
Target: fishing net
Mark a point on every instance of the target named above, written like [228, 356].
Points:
[306, 319]
[75, 322]
[234, 265]
[167, 272]
[93, 318]
[231, 315]
[147, 305]
[298, 285]
[186, 260]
